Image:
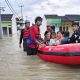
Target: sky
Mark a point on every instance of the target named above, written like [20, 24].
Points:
[33, 8]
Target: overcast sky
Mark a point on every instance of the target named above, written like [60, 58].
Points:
[33, 8]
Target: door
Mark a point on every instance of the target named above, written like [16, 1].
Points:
[10, 31]
[5, 31]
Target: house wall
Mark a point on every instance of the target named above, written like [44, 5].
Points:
[43, 27]
[14, 26]
[62, 24]
[54, 23]
[67, 24]
[7, 28]
[1, 33]
[78, 22]
[56, 29]
[7, 24]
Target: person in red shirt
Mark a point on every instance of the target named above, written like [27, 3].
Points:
[24, 35]
[34, 37]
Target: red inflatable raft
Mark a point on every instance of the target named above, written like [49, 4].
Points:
[62, 54]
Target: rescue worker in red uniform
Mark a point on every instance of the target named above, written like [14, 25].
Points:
[34, 37]
[24, 35]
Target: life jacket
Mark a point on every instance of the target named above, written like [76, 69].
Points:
[25, 33]
[29, 40]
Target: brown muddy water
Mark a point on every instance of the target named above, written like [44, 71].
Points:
[16, 65]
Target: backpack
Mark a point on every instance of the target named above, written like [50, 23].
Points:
[29, 39]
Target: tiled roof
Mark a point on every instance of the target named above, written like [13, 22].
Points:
[51, 16]
[73, 17]
[6, 17]
[65, 18]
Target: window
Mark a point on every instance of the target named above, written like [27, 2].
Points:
[53, 27]
[63, 28]
[5, 30]
[66, 28]
[10, 31]
[60, 28]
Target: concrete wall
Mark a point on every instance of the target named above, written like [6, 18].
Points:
[1, 33]
[9, 24]
[43, 27]
[6, 24]
[63, 24]
[67, 24]
[54, 22]
[14, 27]
[56, 29]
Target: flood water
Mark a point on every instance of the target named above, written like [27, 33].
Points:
[16, 65]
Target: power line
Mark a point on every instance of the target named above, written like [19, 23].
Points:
[10, 7]
[21, 5]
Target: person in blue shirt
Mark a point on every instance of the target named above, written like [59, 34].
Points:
[65, 39]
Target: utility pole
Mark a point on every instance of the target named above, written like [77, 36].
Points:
[26, 17]
[21, 6]
[1, 31]
[21, 10]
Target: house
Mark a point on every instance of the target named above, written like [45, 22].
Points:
[54, 21]
[62, 23]
[66, 24]
[6, 24]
